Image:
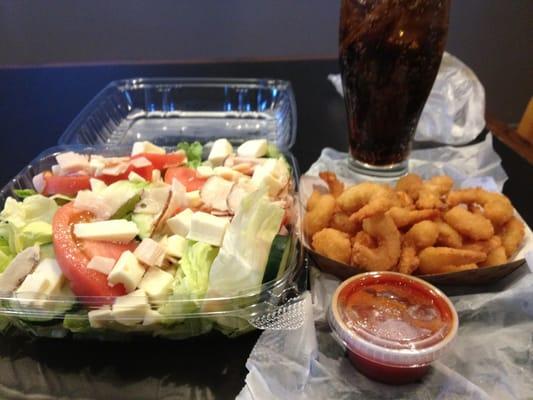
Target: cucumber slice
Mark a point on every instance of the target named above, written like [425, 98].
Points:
[277, 259]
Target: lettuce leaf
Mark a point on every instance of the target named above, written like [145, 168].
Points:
[190, 283]
[193, 151]
[25, 223]
[240, 264]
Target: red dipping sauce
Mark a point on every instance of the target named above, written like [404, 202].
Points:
[392, 325]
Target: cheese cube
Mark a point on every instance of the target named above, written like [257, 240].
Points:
[176, 245]
[220, 150]
[150, 252]
[253, 148]
[193, 198]
[204, 171]
[32, 290]
[127, 271]
[156, 283]
[50, 270]
[146, 147]
[273, 174]
[97, 165]
[101, 264]
[181, 222]
[118, 230]
[100, 317]
[208, 228]
[131, 308]
[152, 317]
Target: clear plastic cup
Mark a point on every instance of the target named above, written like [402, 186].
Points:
[392, 325]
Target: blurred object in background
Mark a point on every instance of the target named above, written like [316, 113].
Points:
[490, 36]
[525, 128]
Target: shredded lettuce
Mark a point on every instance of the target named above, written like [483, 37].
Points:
[6, 255]
[23, 193]
[28, 222]
[193, 151]
[191, 280]
[240, 264]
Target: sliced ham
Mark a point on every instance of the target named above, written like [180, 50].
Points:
[215, 192]
[238, 192]
[95, 203]
[150, 252]
[72, 162]
[177, 200]
[39, 182]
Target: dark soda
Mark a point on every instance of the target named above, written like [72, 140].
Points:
[390, 52]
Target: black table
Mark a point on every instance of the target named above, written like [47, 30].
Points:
[36, 106]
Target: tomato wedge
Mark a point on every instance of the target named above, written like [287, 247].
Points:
[73, 257]
[164, 161]
[188, 177]
[67, 185]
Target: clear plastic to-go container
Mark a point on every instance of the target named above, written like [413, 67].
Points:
[167, 111]
[392, 325]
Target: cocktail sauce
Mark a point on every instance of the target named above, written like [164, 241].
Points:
[392, 325]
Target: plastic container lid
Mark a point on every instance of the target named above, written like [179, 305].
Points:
[381, 332]
[168, 110]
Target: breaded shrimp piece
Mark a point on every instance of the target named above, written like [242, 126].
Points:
[512, 234]
[448, 236]
[497, 256]
[408, 260]
[313, 200]
[423, 234]
[364, 239]
[442, 184]
[404, 199]
[403, 217]
[429, 198]
[336, 187]
[468, 224]
[357, 196]
[333, 244]
[410, 184]
[385, 256]
[320, 215]
[377, 205]
[434, 259]
[342, 222]
[486, 246]
[496, 207]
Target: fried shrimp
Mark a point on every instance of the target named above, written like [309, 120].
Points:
[357, 196]
[377, 205]
[429, 195]
[497, 256]
[512, 234]
[408, 260]
[434, 260]
[313, 200]
[333, 244]
[336, 187]
[486, 246]
[320, 215]
[423, 234]
[385, 256]
[468, 224]
[403, 217]
[410, 184]
[496, 207]
[448, 236]
[457, 268]
[342, 222]
[364, 239]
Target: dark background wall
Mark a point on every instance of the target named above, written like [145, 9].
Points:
[492, 36]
